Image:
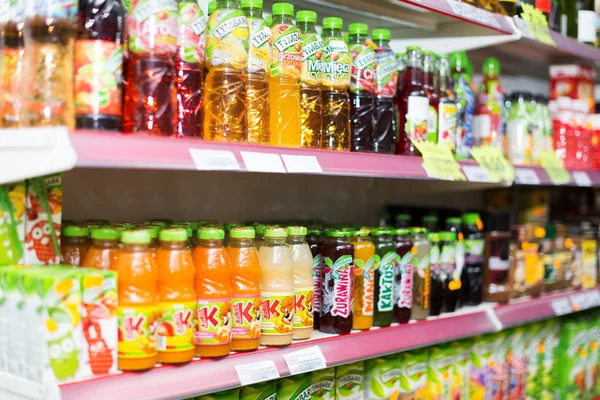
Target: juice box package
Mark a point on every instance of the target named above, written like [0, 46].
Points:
[461, 369]
[44, 213]
[382, 377]
[32, 312]
[481, 367]
[12, 223]
[323, 384]
[550, 340]
[517, 362]
[3, 322]
[259, 391]
[232, 394]
[15, 338]
[349, 381]
[498, 389]
[295, 387]
[573, 81]
[534, 356]
[439, 373]
[413, 377]
[593, 335]
[572, 360]
[596, 391]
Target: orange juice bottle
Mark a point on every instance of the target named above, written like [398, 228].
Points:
[245, 282]
[364, 280]
[304, 289]
[177, 297]
[213, 294]
[138, 302]
[104, 251]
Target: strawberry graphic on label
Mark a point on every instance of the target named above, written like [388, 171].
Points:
[318, 55]
[334, 57]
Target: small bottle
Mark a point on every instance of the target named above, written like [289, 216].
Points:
[472, 272]
[422, 260]
[450, 282]
[385, 263]
[403, 275]
[488, 127]
[104, 250]
[314, 243]
[447, 109]
[364, 280]
[74, 245]
[430, 84]
[303, 282]
[414, 104]
[437, 285]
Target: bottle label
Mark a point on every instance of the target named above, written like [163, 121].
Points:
[338, 286]
[432, 125]
[416, 118]
[214, 321]
[176, 330]
[138, 331]
[448, 260]
[63, 9]
[386, 268]
[192, 24]
[447, 125]
[363, 68]
[336, 67]
[286, 60]
[312, 58]
[466, 105]
[246, 317]
[152, 27]
[260, 47]
[386, 76]
[303, 308]
[98, 67]
[277, 313]
[364, 274]
[227, 39]
[474, 251]
[404, 281]
[316, 274]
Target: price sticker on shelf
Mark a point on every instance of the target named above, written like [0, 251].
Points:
[305, 360]
[475, 173]
[255, 372]
[262, 162]
[555, 168]
[439, 162]
[579, 301]
[302, 164]
[593, 298]
[214, 160]
[527, 176]
[581, 178]
[561, 306]
[494, 163]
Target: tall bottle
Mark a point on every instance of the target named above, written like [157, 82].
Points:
[385, 263]
[465, 100]
[431, 87]
[447, 108]
[284, 80]
[403, 275]
[225, 89]
[314, 243]
[488, 126]
[311, 99]
[303, 282]
[257, 106]
[414, 104]
[362, 88]
[364, 280]
[12, 74]
[586, 21]
[423, 260]
[385, 132]
[336, 80]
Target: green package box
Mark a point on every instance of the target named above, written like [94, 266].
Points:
[323, 384]
[481, 372]
[413, 377]
[550, 339]
[592, 357]
[349, 381]
[35, 320]
[296, 387]
[439, 372]
[260, 391]
[13, 305]
[382, 377]
[233, 394]
[3, 322]
[535, 357]
[461, 368]
[499, 361]
[572, 359]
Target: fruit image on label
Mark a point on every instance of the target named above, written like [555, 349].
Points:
[447, 125]
[138, 331]
[386, 76]
[277, 313]
[416, 118]
[286, 59]
[338, 286]
[381, 378]
[152, 26]
[362, 74]
[213, 324]
[192, 24]
[227, 39]
[432, 125]
[336, 64]
[246, 317]
[303, 313]
[312, 58]
[386, 268]
[364, 275]
[176, 329]
[260, 47]
[413, 378]
[316, 274]
[323, 384]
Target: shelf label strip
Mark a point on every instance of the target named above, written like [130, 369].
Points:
[262, 162]
[581, 178]
[255, 372]
[305, 360]
[214, 160]
[561, 306]
[302, 164]
[527, 176]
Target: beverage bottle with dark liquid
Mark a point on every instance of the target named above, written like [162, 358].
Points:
[414, 104]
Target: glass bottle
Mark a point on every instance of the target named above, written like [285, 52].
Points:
[447, 109]
[12, 73]
[472, 272]
[403, 275]
[414, 104]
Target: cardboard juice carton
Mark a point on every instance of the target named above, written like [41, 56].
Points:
[482, 374]
[295, 387]
[382, 377]
[517, 362]
[534, 356]
[572, 360]
[231, 394]
[12, 223]
[323, 384]
[461, 368]
[260, 391]
[592, 357]
[413, 378]
[349, 380]
[498, 389]
[550, 339]
[16, 324]
[33, 314]
[439, 373]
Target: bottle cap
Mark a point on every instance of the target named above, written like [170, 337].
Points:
[269, 20]
[252, 4]
[209, 233]
[361, 233]
[402, 231]
[306, 16]
[105, 233]
[314, 232]
[453, 220]
[283, 9]
[333, 23]
[137, 236]
[413, 48]
[381, 232]
[260, 229]
[275, 232]
[448, 236]
[433, 237]
[242, 232]
[403, 217]
[75, 231]
[358, 29]
[337, 233]
[381, 34]
[491, 66]
[418, 231]
[459, 59]
[296, 231]
[430, 218]
[173, 235]
[471, 218]
[152, 230]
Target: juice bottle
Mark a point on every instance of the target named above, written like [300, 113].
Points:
[433, 94]
[364, 280]
[311, 100]
[386, 80]
[138, 309]
[403, 275]
[213, 294]
[337, 284]
[303, 282]
[74, 244]
[189, 68]
[99, 65]
[336, 80]
[450, 285]
[152, 45]
[362, 88]
[259, 239]
[314, 243]
[257, 109]
[12, 75]
[447, 109]
[472, 272]
[104, 251]
[245, 283]
[465, 100]
[488, 127]
[414, 104]
[385, 263]
[284, 79]
[277, 289]
[423, 258]
[436, 287]
[401, 57]
[225, 88]
[177, 298]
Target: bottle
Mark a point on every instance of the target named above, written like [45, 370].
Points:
[472, 272]
[177, 298]
[311, 99]
[189, 68]
[104, 251]
[465, 100]
[497, 274]
[303, 282]
[284, 80]
[99, 65]
[225, 88]
[548, 253]
[488, 127]
[423, 258]
[450, 283]
[337, 283]
[385, 263]
[414, 104]
[430, 222]
[12, 76]
[212, 281]
[245, 283]
[277, 289]
[431, 87]
[586, 22]
[403, 220]
[447, 109]
[535, 125]
[74, 245]
[362, 88]
[138, 311]
[509, 7]
[335, 83]
[401, 57]
[364, 280]
[386, 80]
[403, 275]
[314, 243]
[519, 142]
[259, 238]
[437, 285]
[257, 106]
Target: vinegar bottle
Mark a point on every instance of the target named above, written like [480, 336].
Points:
[12, 75]
[414, 104]
[303, 282]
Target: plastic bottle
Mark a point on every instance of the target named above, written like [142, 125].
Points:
[431, 87]
[104, 251]
[284, 80]
[12, 76]
[447, 109]
[74, 244]
[99, 65]
[488, 127]
[314, 243]
[303, 282]
[403, 275]
[311, 99]
[436, 287]
[336, 80]
[225, 89]
[138, 302]
[277, 289]
[259, 239]
[177, 296]
[450, 285]
[465, 100]
[472, 273]
[362, 88]
[245, 283]
[535, 125]
[385, 263]
[385, 132]
[414, 104]
[364, 280]
[213, 294]
[519, 143]
[422, 259]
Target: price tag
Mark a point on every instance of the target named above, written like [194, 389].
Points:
[305, 360]
[555, 168]
[302, 164]
[256, 372]
[475, 173]
[214, 160]
[535, 25]
[593, 298]
[579, 301]
[581, 178]
[468, 11]
[561, 306]
[494, 163]
[262, 162]
[439, 162]
[527, 176]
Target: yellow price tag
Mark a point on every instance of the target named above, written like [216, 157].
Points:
[439, 162]
[537, 25]
[555, 168]
[494, 163]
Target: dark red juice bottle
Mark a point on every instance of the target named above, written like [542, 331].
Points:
[403, 276]
[337, 282]
[385, 263]
[431, 86]
[413, 105]
[314, 242]
[450, 285]
[436, 288]
[472, 272]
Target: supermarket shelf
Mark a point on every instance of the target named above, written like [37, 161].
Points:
[536, 176]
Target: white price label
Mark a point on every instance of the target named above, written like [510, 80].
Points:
[256, 372]
[593, 298]
[579, 301]
[581, 178]
[262, 162]
[527, 176]
[561, 306]
[305, 360]
[214, 160]
[302, 164]
[475, 173]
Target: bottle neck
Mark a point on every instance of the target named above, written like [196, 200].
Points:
[283, 19]
[296, 239]
[228, 4]
[136, 246]
[75, 239]
[104, 243]
[275, 241]
[168, 245]
[332, 32]
[210, 243]
[253, 12]
[241, 243]
[306, 27]
[383, 44]
[357, 39]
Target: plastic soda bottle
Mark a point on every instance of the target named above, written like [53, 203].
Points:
[465, 100]
[447, 108]
[258, 65]
[414, 104]
[138, 310]
[384, 267]
[311, 100]
[362, 88]
[336, 81]
[432, 93]
[277, 289]
[99, 65]
[227, 60]
[314, 243]
[364, 280]
[285, 72]
[303, 282]
[11, 56]
[213, 294]
[245, 282]
[488, 127]
[104, 251]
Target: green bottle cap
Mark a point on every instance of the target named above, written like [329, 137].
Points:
[337, 233]
[381, 232]
[260, 229]
[137, 236]
[419, 231]
[360, 233]
[212, 6]
[454, 220]
[459, 59]
[381, 34]
[242, 232]
[105, 233]
[403, 217]
[75, 231]
[252, 4]
[269, 20]
[491, 66]
[296, 231]
[306, 16]
[153, 230]
[333, 23]
[314, 232]
[283, 9]
[433, 237]
[430, 218]
[209, 233]
[413, 48]
[275, 232]
[402, 232]
[173, 235]
[471, 218]
[358, 29]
